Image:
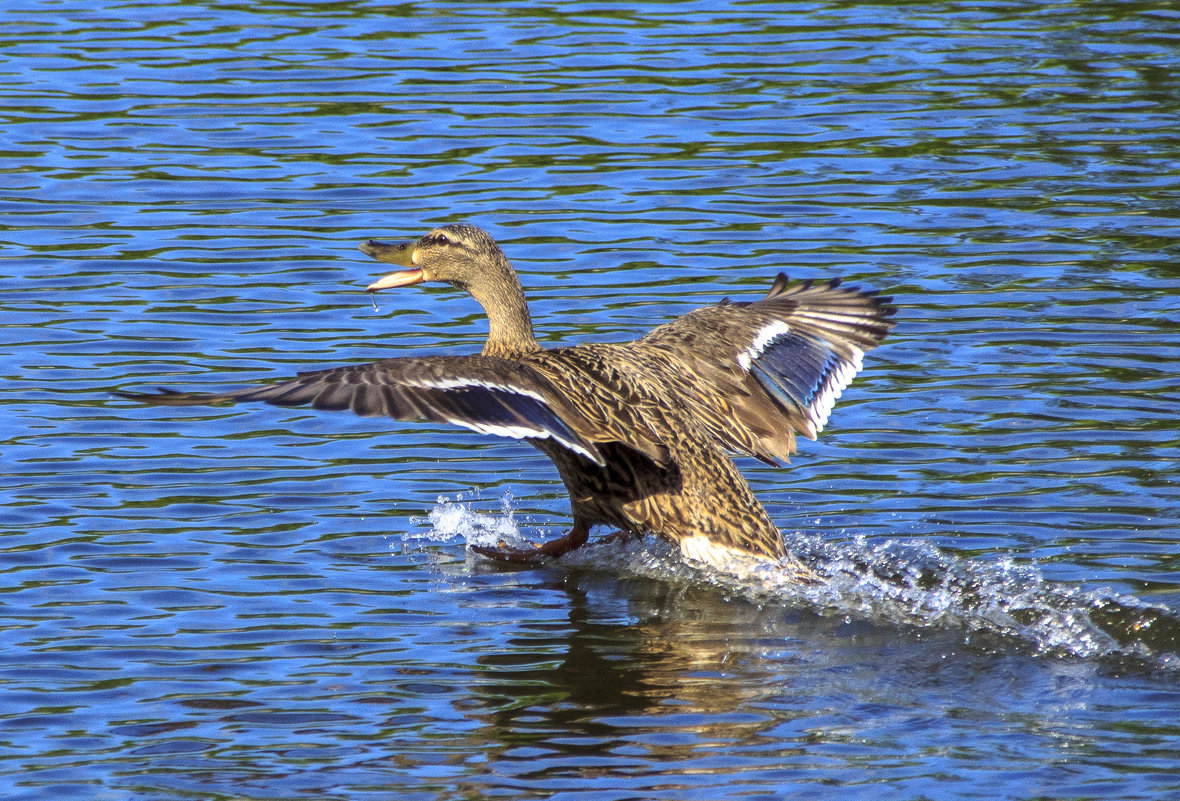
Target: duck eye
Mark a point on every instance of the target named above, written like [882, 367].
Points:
[443, 239]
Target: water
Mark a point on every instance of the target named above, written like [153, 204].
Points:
[262, 603]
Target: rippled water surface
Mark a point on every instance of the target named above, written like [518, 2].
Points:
[258, 603]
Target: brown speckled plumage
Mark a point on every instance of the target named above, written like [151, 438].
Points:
[638, 430]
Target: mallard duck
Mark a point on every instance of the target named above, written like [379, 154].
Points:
[638, 430]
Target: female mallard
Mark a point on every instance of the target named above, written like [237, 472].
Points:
[638, 430]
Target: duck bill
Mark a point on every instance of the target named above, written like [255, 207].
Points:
[399, 253]
[402, 278]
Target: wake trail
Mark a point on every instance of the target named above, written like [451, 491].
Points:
[894, 581]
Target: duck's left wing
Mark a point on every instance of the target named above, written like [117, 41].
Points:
[485, 394]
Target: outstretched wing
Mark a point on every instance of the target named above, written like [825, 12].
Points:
[485, 394]
[759, 373]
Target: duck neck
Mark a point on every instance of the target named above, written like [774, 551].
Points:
[510, 329]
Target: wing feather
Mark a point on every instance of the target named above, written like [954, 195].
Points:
[754, 374]
[766, 370]
[485, 394]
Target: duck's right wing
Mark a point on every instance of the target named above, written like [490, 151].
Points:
[484, 394]
[758, 373]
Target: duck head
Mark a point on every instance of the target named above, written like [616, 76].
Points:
[460, 255]
[466, 257]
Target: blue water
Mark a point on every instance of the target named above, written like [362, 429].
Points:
[262, 603]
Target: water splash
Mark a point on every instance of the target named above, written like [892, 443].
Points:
[915, 583]
[454, 519]
[897, 582]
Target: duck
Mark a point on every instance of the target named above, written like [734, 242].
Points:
[642, 433]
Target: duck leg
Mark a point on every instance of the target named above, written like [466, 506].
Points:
[619, 536]
[575, 538]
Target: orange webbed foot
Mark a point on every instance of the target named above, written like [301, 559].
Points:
[576, 538]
